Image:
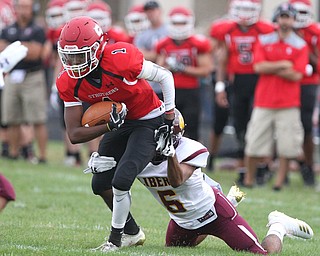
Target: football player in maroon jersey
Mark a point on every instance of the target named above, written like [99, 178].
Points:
[238, 36]
[96, 71]
[188, 57]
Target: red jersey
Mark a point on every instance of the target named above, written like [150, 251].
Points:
[119, 67]
[186, 53]
[272, 91]
[240, 43]
[116, 34]
[53, 36]
[311, 34]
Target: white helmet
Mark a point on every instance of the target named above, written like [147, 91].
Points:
[136, 20]
[55, 16]
[181, 23]
[304, 14]
[245, 12]
[7, 14]
[75, 8]
[101, 12]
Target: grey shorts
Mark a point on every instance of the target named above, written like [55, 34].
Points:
[270, 129]
[25, 102]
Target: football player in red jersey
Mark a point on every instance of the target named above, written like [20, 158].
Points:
[56, 18]
[136, 21]
[310, 32]
[74, 8]
[101, 12]
[238, 36]
[95, 71]
[188, 56]
[7, 15]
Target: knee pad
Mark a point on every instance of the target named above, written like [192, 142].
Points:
[101, 182]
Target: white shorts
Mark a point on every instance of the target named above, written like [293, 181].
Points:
[274, 129]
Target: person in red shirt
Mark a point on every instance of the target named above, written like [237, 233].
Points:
[188, 56]
[95, 71]
[237, 37]
[310, 32]
[280, 58]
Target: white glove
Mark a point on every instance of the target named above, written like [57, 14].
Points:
[98, 164]
[235, 195]
[11, 55]
[163, 138]
[175, 65]
[54, 98]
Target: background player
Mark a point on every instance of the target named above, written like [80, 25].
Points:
[238, 36]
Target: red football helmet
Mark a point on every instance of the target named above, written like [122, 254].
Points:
[245, 12]
[55, 17]
[181, 23]
[304, 14]
[75, 8]
[7, 15]
[136, 20]
[101, 12]
[80, 46]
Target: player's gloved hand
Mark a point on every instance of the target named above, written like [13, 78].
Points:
[98, 164]
[163, 138]
[117, 119]
[11, 55]
[54, 98]
[174, 65]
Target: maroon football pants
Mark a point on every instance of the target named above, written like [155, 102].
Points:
[229, 226]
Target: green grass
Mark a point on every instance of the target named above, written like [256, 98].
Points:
[56, 213]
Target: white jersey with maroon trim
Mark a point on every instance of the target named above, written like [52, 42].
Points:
[190, 205]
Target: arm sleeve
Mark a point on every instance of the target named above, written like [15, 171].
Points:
[153, 72]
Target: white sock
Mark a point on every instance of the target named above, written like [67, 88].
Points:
[121, 207]
[278, 230]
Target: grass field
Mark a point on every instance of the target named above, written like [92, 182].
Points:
[56, 213]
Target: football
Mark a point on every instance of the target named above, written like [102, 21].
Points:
[99, 113]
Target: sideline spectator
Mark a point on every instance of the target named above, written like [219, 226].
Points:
[24, 98]
[136, 21]
[281, 59]
[188, 56]
[7, 17]
[310, 32]
[147, 40]
[238, 36]
[9, 58]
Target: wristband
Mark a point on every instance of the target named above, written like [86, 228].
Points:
[219, 87]
[169, 112]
